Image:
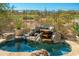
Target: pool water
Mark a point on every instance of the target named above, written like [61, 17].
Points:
[26, 46]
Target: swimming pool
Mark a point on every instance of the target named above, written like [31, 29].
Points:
[27, 46]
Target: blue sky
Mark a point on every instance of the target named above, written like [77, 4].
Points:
[48, 6]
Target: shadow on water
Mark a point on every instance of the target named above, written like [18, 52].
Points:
[26, 46]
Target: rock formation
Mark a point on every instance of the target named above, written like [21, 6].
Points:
[41, 52]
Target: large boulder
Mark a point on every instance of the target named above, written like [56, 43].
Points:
[18, 32]
[69, 35]
[57, 37]
[41, 52]
[8, 35]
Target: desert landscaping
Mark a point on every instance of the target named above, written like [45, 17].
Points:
[38, 32]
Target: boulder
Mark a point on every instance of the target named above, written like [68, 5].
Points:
[18, 32]
[57, 38]
[8, 35]
[70, 35]
[41, 52]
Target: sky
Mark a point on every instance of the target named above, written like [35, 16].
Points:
[43, 6]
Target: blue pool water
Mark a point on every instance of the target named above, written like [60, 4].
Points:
[25, 46]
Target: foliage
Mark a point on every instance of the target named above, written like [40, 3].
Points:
[56, 18]
[5, 18]
[18, 23]
[76, 28]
